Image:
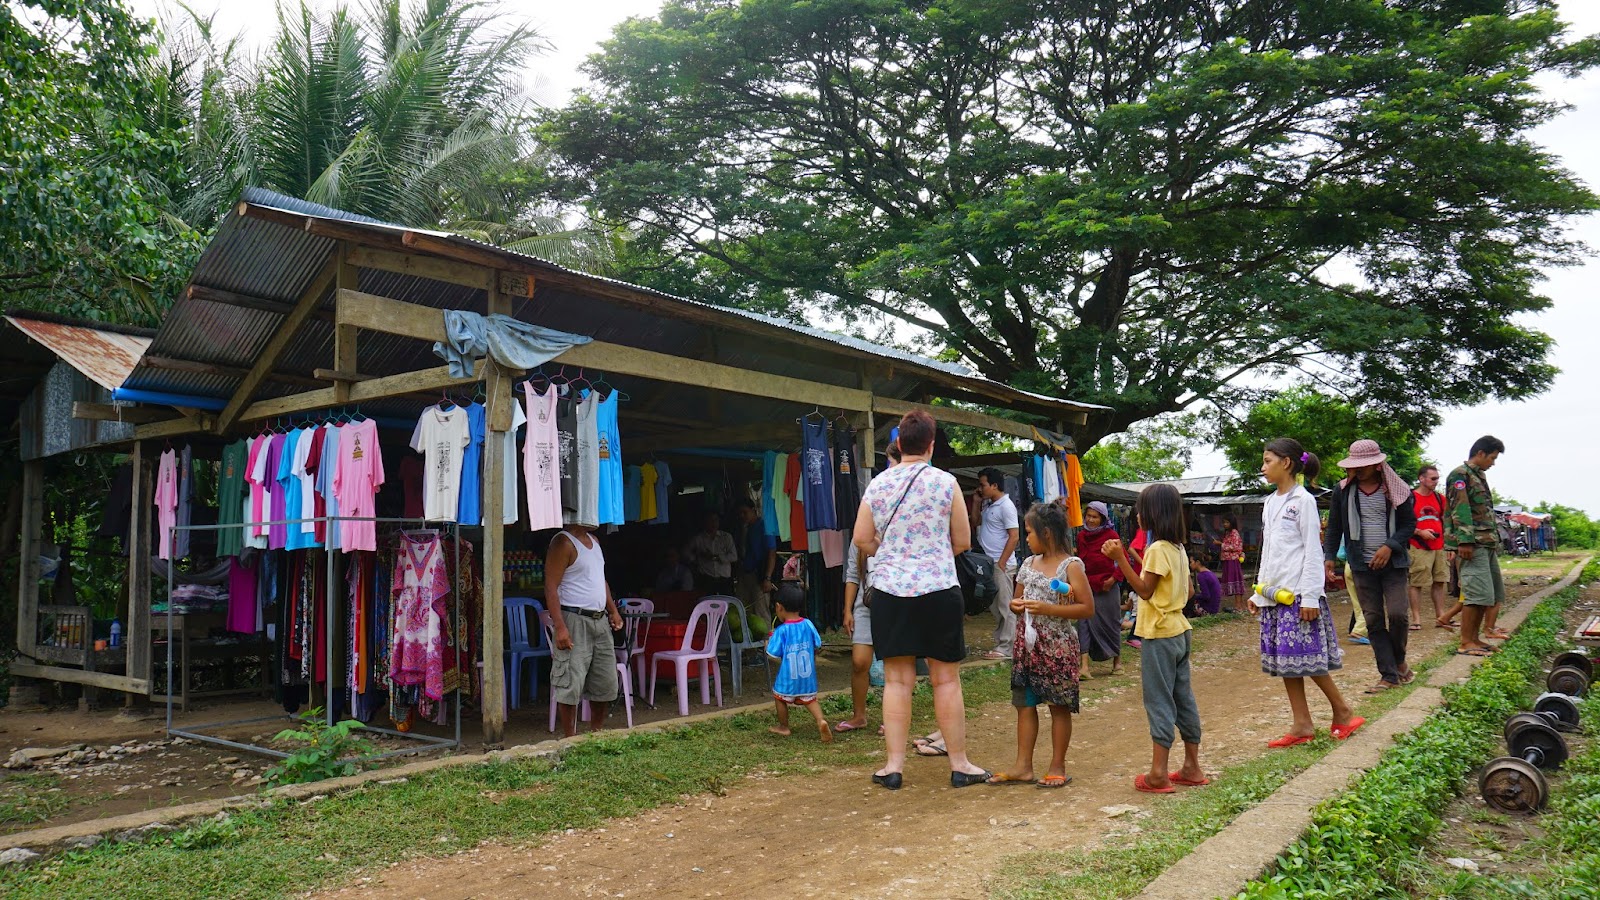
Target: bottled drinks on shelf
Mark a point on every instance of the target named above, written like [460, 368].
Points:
[523, 569]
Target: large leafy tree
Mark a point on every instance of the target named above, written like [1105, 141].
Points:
[1323, 424]
[80, 231]
[407, 112]
[1147, 203]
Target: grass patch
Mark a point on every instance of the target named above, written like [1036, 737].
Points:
[30, 797]
[1368, 841]
[1178, 824]
[291, 847]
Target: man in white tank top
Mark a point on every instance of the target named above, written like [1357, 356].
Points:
[583, 664]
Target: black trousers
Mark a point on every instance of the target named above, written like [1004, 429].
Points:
[1387, 608]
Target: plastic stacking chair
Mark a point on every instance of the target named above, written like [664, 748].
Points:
[739, 643]
[523, 648]
[698, 646]
[641, 637]
[584, 712]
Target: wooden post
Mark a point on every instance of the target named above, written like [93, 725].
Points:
[28, 556]
[867, 456]
[344, 336]
[136, 636]
[497, 387]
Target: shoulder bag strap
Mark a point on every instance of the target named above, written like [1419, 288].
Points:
[896, 510]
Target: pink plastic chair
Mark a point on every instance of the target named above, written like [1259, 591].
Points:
[624, 682]
[712, 613]
[634, 653]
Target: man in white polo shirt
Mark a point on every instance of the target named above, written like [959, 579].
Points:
[583, 664]
[996, 531]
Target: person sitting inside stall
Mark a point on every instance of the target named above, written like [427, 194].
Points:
[794, 645]
[712, 553]
[1205, 592]
[674, 575]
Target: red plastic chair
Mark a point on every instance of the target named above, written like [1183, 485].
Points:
[699, 646]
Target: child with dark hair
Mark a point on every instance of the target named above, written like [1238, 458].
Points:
[1205, 597]
[1298, 640]
[1045, 654]
[794, 645]
[1164, 672]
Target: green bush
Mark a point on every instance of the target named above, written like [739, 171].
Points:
[1361, 842]
[329, 751]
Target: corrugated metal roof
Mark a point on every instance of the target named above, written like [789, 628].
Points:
[271, 264]
[103, 355]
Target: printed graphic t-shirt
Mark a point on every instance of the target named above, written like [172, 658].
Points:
[441, 436]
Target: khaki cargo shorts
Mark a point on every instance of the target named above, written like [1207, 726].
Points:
[589, 670]
[1428, 567]
[1481, 584]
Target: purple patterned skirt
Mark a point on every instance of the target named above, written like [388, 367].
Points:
[1291, 648]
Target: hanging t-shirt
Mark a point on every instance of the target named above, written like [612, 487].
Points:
[663, 491]
[255, 534]
[647, 492]
[469, 504]
[586, 453]
[608, 449]
[357, 478]
[180, 539]
[816, 465]
[567, 455]
[769, 503]
[166, 502]
[441, 436]
[230, 497]
[276, 498]
[541, 459]
[794, 489]
[327, 468]
[291, 468]
[846, 478]
[510, 462]
[633, 479]
[304, 447]
[780, 496]
[319, 505]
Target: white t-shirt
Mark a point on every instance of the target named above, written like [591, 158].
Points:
[997, 518]
[1291, 546]
[308, 482]
[441, 437]
[509, 463]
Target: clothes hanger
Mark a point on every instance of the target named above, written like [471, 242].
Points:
[815, 411]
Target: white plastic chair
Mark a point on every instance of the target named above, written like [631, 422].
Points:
[624, 683]
[711, 612]
[739, 644]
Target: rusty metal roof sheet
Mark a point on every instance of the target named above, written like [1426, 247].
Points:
[104, 355]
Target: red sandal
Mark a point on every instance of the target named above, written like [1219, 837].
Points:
[1340, 732]
[1290, 740]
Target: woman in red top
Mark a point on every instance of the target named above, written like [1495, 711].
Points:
[1101, 634]
[1233, 586]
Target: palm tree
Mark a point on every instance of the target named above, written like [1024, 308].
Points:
[413, 114]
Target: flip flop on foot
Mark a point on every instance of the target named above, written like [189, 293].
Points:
[1055, 781]
[1177, 778]
[1451, 625]
[1085, 676]
[1290, 740]
[1003, 778]
[847, 725]
[1379, 688]
[1499, 634]
[1475, 651]
[932, 748]
[997, 654]
[1144, 787]
[1340, 732]
[1416, 626]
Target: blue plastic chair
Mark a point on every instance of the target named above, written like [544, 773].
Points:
[525, 646]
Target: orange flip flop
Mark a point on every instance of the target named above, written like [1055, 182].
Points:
[1139, 784]
[1340, 732]
[1177, 778]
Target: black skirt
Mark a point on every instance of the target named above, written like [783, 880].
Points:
[932, 625]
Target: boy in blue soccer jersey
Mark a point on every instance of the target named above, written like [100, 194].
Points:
[794, 645]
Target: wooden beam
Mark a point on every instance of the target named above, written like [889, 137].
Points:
[126, 684]
[28, 557]
[421, 266]
[107, 412]
[221, 370]
[137, 634]
[615, 359]
[954, 415]
[385, 387]
[278, 343]
[246, 301]
[179, 427]
[389, 316]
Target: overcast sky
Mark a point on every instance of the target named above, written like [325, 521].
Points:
[1545, 437]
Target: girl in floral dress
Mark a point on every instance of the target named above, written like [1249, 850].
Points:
[1233, 586]
[1045, 657]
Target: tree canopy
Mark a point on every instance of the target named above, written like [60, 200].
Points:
[1325, 425]
[1145, 203]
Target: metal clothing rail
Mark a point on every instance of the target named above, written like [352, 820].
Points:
[428, 742]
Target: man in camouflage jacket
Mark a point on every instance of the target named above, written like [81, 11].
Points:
[1470, 529]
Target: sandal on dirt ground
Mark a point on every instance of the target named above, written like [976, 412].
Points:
[1143, 787]
[1177, 778]
[1475, 651]
[1408, 676]
[1340, 732]
[1055, 781]
[1001, 778]
[931, 748]
[1498, 634]
[1290, 740]
[1416, 626]
[1379, 688]
[1438, 624]
[844, 726]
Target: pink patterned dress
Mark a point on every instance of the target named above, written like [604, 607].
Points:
[421, 585]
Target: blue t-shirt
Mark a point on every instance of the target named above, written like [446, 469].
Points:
[631, 501]
[295, 538]
[769, 506]
[610, 448]
[816, 476]
[469, 504]
[663, 490]
[757, 545]
[794, 644]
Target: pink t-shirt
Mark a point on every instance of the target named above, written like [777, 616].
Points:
[166, 499]
[356, 482]
[258, 489]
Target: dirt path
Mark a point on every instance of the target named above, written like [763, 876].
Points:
[836, 833]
